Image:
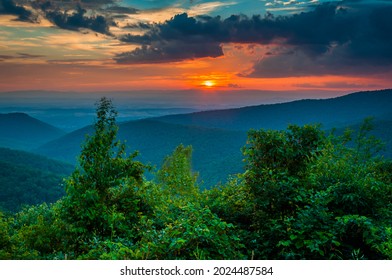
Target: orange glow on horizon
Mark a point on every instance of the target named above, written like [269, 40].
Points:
[81, 77]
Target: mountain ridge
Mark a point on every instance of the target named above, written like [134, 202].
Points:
[217, 148]
[154, 140]
[278, 116]
[21, 131]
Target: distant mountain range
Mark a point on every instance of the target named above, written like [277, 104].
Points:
[20, 131]
[216, 136]
[334, 112]
[215, 150]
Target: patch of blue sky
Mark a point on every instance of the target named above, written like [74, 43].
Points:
[247, 7]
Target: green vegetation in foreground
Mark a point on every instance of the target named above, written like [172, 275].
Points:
[304, 195]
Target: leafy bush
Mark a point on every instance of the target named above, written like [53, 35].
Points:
[196, 233]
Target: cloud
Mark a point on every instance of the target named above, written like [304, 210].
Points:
[56, 12]
[31, 56]
[4, 57]
[78, 20]
[180, 38]
[233, 86]
[341, 37]
[191, 31]
[22, 56]
[97, 2]
[208, 7]
[121, 10]
[350, 42]
[11, 8]
[171, 51]
[327, 40]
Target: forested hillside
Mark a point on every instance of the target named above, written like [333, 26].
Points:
[335, 112]
[304, 194]
[28, 179]
[217, 152]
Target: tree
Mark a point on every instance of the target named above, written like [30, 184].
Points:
[38, 232]
[102, 200]
[5, 240]
[317, 197]
[176, 177]
[180, 226]
[194, 233]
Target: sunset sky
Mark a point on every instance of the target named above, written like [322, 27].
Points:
[199, 45]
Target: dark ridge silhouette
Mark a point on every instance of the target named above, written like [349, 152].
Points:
[334, 112]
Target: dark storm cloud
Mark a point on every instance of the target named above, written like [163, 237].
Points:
[121, 10]
[58, 14]
[332, 38]
[78, 20]
[312, 30]
[9, 7]
[170, 51]
[363, 47]
[97, 2]
[180, 38]
[139, 25]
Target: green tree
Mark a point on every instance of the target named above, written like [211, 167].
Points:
[175, 187]
[318, 197]
[276, 163]
[102, 200]
[195, 233]
[180, 226]
[5, 240]
[38, 232]
[176, 177]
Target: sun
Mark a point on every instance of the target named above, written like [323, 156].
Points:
[209, 83]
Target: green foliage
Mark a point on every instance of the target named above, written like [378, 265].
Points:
[304, 195]
[102, 195]
[176, 178]
[196, 233]
[21, 185]
[30, 160]
[315, 197]
[232, 202]
[276, 167]
[29, 179]
[179, 227]
[281, 151]
[366, 146]
[105, 249]
[39, 232]
[5, 239]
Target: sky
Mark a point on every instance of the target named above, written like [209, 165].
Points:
[216, 48]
